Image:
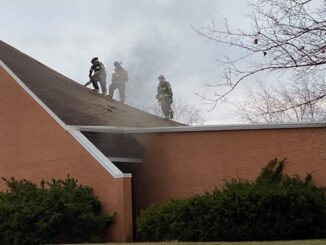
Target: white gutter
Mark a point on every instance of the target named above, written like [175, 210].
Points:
[95, 152]
[126, 159]
[175, 129]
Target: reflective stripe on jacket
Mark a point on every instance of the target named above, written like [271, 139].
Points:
[164, 90]
[96, 67]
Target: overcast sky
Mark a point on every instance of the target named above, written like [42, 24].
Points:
[150, 37]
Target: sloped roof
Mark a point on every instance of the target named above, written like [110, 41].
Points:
[69, 100]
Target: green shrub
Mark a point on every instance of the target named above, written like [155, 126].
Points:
[60, 211]
[274, 207]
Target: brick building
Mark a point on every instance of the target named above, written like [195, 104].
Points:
[51, 126]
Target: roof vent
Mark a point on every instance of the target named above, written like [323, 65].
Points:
[110, 109]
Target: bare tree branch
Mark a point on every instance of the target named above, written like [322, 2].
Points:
[300, 101]
[183, 113]
[286, 36]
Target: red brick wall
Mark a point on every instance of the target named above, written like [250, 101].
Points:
[179, 165]
[34, 146]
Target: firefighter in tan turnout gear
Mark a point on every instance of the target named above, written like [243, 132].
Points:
[164, 96]
[99, 75]
[119, 79]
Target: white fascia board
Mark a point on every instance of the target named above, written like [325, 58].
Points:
[126, 159]
[99, 129]
[96, 153]
[175, 129]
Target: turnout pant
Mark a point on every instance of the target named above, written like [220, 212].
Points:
[121, 87]
[101, 78]
[166, 107]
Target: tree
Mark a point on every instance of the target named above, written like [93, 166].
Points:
[183, 113]
[269, 105]
[273, 207]
[287, 36]
[60, 211]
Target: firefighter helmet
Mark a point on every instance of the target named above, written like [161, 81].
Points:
[161, 78]
[94, 59]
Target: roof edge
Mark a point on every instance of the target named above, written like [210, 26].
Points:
[176, 129]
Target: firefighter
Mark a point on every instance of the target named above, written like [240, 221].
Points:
[164, 96]
[119, 79]
[99, 75]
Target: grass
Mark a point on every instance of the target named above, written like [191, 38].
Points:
[297, 242]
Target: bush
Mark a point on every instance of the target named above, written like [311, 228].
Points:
[60, 211]
[274, 207]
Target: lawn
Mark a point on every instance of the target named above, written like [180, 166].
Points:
[297, 242]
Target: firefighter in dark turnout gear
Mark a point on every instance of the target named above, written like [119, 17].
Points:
[164, 96]
[97, 73]
[119, 79]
